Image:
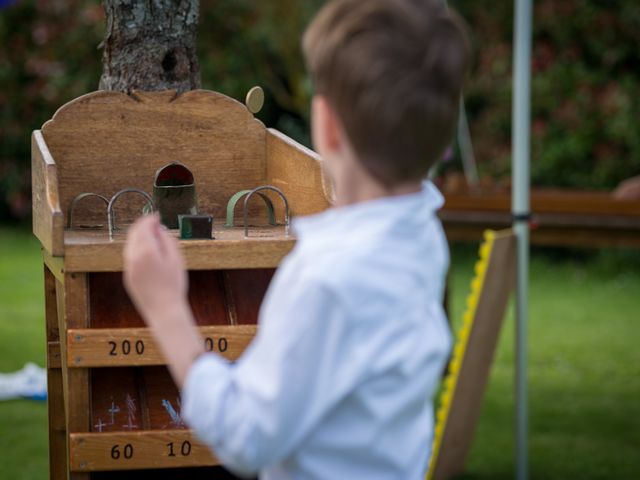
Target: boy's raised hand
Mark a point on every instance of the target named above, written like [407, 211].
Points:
[155, 277]
[154, 273]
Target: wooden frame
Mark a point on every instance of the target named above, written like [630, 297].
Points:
[103, 142]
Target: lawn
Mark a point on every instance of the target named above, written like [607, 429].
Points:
[584, 367]
[23, 424]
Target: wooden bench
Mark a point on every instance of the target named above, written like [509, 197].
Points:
[560, 218]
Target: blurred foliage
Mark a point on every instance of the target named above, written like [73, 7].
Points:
[586, 78]
[243, 43]
[585, 103]
[48, 56]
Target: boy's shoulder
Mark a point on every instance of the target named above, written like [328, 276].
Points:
[382, 264]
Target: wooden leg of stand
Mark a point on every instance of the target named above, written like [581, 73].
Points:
[55, 400]
[72, 299]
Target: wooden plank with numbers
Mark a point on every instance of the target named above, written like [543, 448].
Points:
[121, 347]
[92, 452]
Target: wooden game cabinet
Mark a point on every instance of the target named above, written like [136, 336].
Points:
[112, 404]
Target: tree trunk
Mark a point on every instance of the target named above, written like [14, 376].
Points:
[150, 45]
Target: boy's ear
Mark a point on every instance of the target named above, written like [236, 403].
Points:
[326, 127]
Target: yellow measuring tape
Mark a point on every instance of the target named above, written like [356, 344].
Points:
[451, 380]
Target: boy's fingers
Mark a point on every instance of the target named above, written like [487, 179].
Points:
[168, 245]
[139, 232]
[147, 237]
[159, 235]
[141, 238]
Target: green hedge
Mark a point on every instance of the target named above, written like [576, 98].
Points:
[586, 78]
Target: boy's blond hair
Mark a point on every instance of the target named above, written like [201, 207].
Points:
[393, 71]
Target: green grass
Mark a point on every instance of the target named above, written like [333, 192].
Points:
[584, 367]
[584, 372]
[23, 423]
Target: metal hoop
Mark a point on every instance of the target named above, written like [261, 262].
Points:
[79, 198]
[110, 215]
[231, 206]
[258, 190]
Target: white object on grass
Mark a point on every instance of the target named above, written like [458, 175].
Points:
[30, 382]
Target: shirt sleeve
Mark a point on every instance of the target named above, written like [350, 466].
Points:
[254, 412]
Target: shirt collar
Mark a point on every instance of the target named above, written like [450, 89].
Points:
[380, 211]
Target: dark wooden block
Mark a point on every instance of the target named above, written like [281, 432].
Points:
[195, 226]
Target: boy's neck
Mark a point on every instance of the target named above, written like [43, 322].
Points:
[354, 184]
[348, 195]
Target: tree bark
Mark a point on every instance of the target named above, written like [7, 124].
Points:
[150, 45]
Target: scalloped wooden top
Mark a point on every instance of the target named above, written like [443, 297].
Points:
[106, 141]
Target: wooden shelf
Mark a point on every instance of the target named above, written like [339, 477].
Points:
[126, 347]
[95, 251]
[95, 452]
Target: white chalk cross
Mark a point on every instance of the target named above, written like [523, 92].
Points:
[113, 410]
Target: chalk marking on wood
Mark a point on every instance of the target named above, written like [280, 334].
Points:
[113, 410]
[176, 419]
[131, 413]
[99, 425]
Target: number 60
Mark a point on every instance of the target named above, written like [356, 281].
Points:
[127, 451]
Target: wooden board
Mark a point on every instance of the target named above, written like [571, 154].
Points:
[266, 247]
[109, 303]
[97, 138]
[134, 399]
[545, 220]
[472, 228]
[118, 401]
[55, 395]
[54, 264]
[54, 355]
[114, 451]
[296, 171]
[217, 298]
[560, 217]
[48, 219]
[73, 313]
[111, 306]
[136, 346]
[245, 291]
[162, 399]
[473, 371]
[545, 201]
[207, 298]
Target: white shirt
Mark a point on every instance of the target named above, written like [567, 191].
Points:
[339, 380]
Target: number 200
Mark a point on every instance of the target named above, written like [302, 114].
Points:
[125, 347]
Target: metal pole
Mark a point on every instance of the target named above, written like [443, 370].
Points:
[466, 147]
[464, 141]
[521, 214]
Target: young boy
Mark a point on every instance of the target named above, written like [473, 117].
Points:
[339, 380]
